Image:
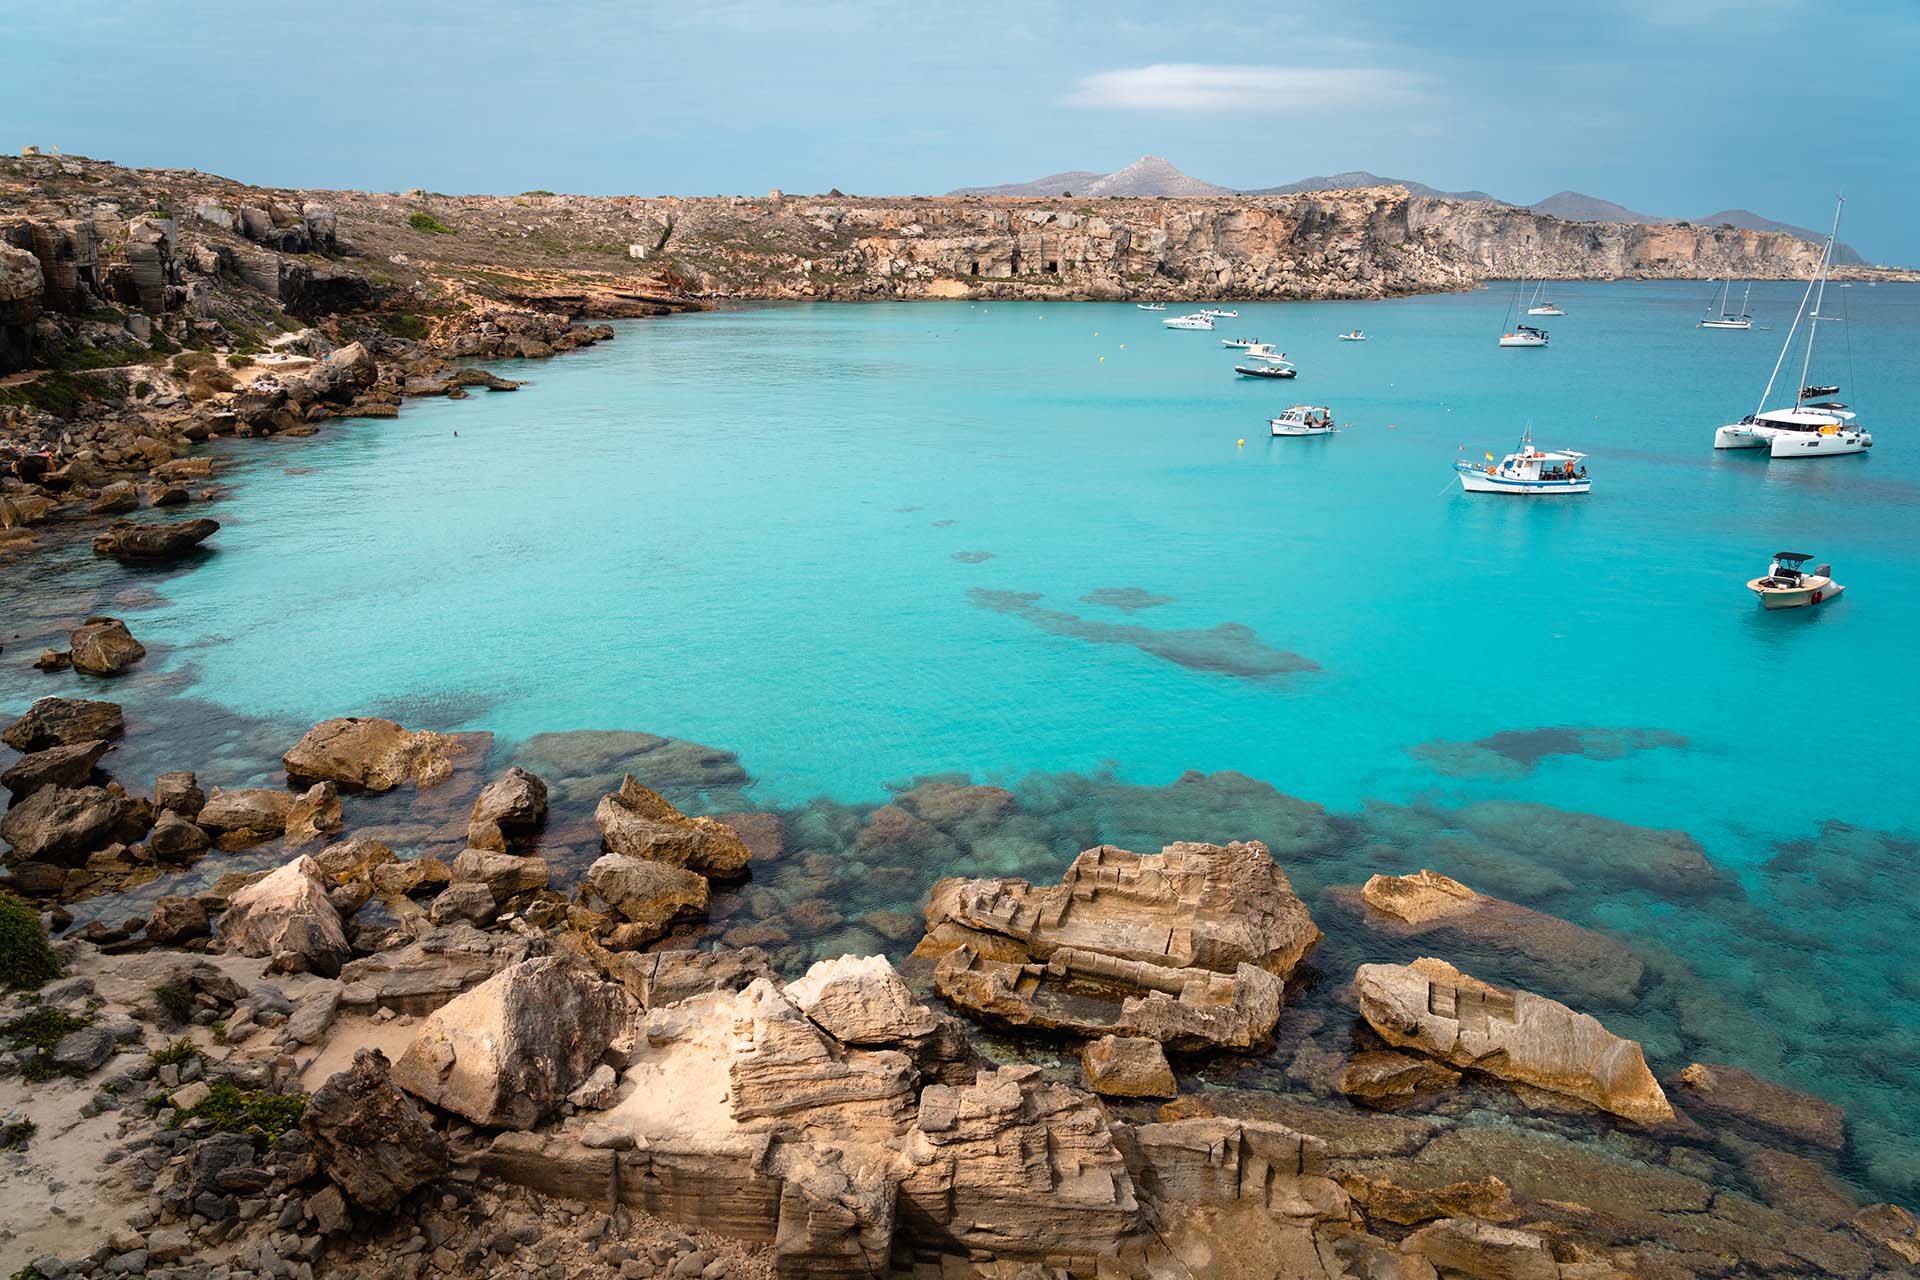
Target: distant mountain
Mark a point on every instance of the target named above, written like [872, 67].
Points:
[1361, 178]
[1147, 176]
[1574, 207]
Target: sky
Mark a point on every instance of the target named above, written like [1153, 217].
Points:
[1672, 107]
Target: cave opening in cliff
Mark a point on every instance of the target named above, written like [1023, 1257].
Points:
[974, 269]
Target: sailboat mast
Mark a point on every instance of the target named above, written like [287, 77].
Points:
[1813, 321]
[1744, 299]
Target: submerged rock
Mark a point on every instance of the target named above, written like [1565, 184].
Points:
[1728, 1095]
[508, 1052]
[64, 722]
[1189, 946]
[370, 1138]
[127, 540]
[104, 647]
[1514, 1035]
[1393, 1077]
[286, 916]
[639, 823]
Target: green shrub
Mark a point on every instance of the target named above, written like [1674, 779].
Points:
[40, 1029]
[188, 361]
[14, 1137]
[177, 1054]
[175, 1001]
[239, 361]
[424, 221]
[258, 1112]
[537, 191]
[405, 326]
[25, 958]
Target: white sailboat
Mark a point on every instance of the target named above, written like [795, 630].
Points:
[1816, 426]
[1727, 319]
[1522, 335]
[1541, 306]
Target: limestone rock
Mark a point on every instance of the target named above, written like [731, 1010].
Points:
[175, 919]
[514, 802]
[508, 1052]
[1217, 1160]
[1393, 1077]
[128, 540]
[1189, 946]
[783, 1071]
[104, 647]
[363, 753]
[180, 793]
[174, 839]
[286, 916]
[1487, 1199]
[314, 815]
[1728, 1095]
[468, 900]
[1515, 1035]
[1892, 1226]
[861, 1001]
[64, 824]
[1482, 1250]
[251, 813]
[352, 860]
[649, 894]
[64, 722]
[432, 969]
[1128, 1067]
[54, 767]
[504, 874]
[639, 823]
[370, 1138]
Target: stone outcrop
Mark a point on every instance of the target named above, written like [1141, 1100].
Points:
[104, 647]
[639, 823]
[367, 754]
[508, 1052]
[510, 805]
[53, 767]
[432, 969]
[64, 824]
[249, 815]
[1515, 1035]
[1729, 1096]
[314, 815]
[862, 1002]
[1128, 1067]
[370, 1138]
[505, 875]
[159, 540]
[647, 895]
[286, 917]
[1190, 946]
[64, 722]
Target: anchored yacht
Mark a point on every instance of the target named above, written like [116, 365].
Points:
[1728, 319]
[1522, 335]
[1527, 470]
[1542, 306]
[1816, 426]
[1195, 321]
[1151, 306]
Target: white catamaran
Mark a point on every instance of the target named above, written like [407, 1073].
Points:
[1728, 320]
[1817, 426]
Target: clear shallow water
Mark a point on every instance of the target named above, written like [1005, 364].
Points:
[765, 529]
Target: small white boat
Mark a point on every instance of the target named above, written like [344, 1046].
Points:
[1353, 335]
[1195, 321]
[1527, 470]
[1524, 335]
[1304, 420]
[1787, 584]
[1219, 314]
[1816, 426]
[1151, 306]
[1539, 306]
[1277, 369]
[1728, 319]
[1242, 344]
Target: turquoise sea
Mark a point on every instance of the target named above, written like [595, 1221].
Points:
[1051, 546]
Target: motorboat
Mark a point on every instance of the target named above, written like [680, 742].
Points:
[1242, 344]
[1789, 584]
[1816, 425]
[1304, 420]
[1728, 319]
[1195, 321]
[1353, 335]
[1527, 470]
[1524, 335]
[1265, 351]
[1276, 369]
[1540, 306]
[1151, 306]
[1219, 314]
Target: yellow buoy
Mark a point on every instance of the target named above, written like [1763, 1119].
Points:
[1103, 359]
[1242, 441]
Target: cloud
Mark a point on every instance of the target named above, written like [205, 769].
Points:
[1202, 86]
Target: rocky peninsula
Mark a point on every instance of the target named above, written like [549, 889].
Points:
[405, 1003]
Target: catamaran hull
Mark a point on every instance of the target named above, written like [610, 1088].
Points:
[1807, 444]
[1481, 482]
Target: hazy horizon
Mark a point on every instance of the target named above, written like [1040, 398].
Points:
[1650, 107]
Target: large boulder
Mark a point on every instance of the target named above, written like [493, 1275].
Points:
[174, 839]
[639, 823]
[507, 1053]
[64, 824]
[651, 895]
[104, 647]
[1465, 1246]
[128, 540]
[370, 1138]
[314, 815]
[503, 874]
[64, 722]
[54, 767]
[516, 801]
[248, 814]
[1190, 946]
[1515, 1035]
[286, 916]
[861, 1001]
[1128, 1067]
[362, 752]
[343, 375]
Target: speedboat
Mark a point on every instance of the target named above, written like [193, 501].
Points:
[1527, 470]
[1276, 369]
[1816, 426]
[1265, 351]
[1151, 306]
[1788, 585]
[1242, 344]
[1353, 335]
[1195, 321]
[1304, 420]
[1218, 314]
[1524, 335]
